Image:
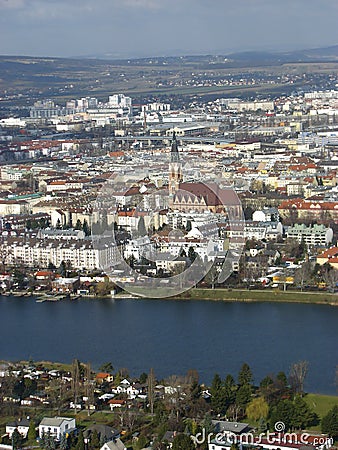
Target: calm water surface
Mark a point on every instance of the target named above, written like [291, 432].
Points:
[174, 336]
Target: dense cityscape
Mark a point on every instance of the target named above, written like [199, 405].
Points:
[277, 155]
[123, 196]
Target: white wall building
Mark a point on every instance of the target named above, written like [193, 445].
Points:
[56, 426]
[80, 253]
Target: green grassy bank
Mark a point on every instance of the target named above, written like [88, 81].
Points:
[246, 295]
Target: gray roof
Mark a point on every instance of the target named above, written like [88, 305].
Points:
[116, 444]
[54, 421]
[234, 427]
[19, 423]
[169, 436]
[105, 432]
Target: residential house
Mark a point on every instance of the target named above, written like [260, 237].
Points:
[103, 377]
[116, 404]
[115, 444]
[56, 426]
[105, 433]
[22, 425]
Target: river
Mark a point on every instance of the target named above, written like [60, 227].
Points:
[173, 336]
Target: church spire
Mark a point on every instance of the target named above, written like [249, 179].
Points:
[175, 169]
[174, 154]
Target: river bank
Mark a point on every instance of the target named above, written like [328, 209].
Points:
[217, 294]
[246, 295]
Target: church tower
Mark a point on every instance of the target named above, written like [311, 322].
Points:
[175, 168]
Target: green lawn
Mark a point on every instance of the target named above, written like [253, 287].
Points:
[266, 295]
[321, 404]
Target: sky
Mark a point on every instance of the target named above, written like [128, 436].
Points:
[136, 28]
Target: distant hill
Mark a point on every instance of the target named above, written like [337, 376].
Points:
[29, 78]
[275, 58]
[247, 57]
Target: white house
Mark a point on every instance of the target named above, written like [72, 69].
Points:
[56, 426]
[266, 215]
[115, 444]
[22, 425]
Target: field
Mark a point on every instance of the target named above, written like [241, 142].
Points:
[321, 404]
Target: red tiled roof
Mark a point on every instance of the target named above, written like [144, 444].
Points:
[329, 253]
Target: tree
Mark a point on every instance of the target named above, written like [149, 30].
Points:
[282, 412]
[266, 382]
[16, 439]
[243, 395]
[151, 390]
[76, 370]
[141, 227]
[57, 390]
[42, 441]
[212, 276]
[89, 388]
[62, 269]
[215, 391]
[303, 415]
[78, 225]
[80, 442]
[141, 442]
[85, 228]
[131, 261]
[245, 375]
[95, 440]
[63, 442]
[297, 377]
[192, 254]
[106, 367]
[257, 409]
[303, 274]
[143, 378]
[330, 422]
[188, 226]
[31, 431]
[230, 389]
[262, 425]
[329, 275]
[183, 442]
[50, 442]
[282, 380]
[104, 288]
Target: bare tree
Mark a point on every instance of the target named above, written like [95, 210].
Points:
[303, 274]
[57, 390]
[89, 388]
[233, 412]
[330, 276]
[298, 374]
[151, 387]
[75, 381]
[130, 419]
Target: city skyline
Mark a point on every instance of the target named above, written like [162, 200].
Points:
[136, 28]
